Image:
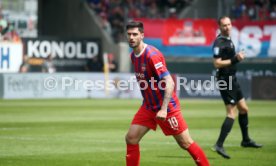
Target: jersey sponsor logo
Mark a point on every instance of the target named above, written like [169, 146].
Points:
[158, 65]
[216, 50]
[140, 75]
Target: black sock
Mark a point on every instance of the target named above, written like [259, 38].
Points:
[225, 130]
[243, 121]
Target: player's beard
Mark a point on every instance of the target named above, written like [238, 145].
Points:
[227, 33]
[135, 44]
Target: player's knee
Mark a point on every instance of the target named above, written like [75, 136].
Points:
[231, 115]
[243, 111]
[131, 139]
[186, 144]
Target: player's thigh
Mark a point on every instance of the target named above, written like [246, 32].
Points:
[174, 123]
[229, 96]
[145, 118]
[135, 133]
[232, 94]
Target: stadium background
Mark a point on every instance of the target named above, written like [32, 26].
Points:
[84, 40]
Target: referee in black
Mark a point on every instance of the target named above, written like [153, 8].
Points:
[225, 60]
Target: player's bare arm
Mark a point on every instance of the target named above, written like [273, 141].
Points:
[219, 63]
[162, 113]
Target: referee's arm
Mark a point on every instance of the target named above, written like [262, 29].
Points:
[219, 63]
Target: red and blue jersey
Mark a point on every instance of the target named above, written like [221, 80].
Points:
[151, 65]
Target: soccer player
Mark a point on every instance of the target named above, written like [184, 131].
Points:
[225, 60]
[160, 104]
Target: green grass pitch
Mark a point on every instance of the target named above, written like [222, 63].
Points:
[91, 132]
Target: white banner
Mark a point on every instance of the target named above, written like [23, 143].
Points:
[69, 85]
[10, 57]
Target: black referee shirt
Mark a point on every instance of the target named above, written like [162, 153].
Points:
[224, 48]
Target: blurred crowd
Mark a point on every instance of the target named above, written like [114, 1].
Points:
[113, 13]
[7, 30]
[254, 10]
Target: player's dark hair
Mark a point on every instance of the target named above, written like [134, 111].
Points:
[222, 17]
[135, 24]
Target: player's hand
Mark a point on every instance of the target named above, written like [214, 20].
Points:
[241, 55]
[161, 115]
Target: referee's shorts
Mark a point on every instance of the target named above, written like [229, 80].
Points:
[232, 94]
